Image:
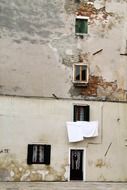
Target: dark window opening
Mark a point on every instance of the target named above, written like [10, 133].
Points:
[84, 73]
[81, 113]
[38, 154]
[77, 72]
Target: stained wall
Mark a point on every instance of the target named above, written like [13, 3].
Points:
[27, 121]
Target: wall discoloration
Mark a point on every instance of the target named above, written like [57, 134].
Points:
[29, 20]
[100, 88]
[37, 30]
[89, 10]
[22, 115]
[102, 163]
[12, 170]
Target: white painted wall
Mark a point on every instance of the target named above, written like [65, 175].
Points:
[25, 121]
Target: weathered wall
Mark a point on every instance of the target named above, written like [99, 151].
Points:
[25, 121]
[38, 48]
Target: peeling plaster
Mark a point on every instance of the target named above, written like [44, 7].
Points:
[12, 170]
[99, 88]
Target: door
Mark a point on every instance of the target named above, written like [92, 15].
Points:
[76, 164]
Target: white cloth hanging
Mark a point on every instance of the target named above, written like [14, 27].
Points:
[80, 129]
[74, 132]
[89, 129]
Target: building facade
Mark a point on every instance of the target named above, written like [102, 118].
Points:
[62, 61]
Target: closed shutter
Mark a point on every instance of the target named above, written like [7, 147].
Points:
[84, 26]
[86, 113]
[77, 26]
[81, 26]
[29, 154]
[47, 153]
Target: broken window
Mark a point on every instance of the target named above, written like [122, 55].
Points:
[38, 154]
[81, 113]
[81, 25]
[80, 74]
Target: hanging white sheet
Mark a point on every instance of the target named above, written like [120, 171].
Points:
[74, 132]
[89, 129]
[80, 129]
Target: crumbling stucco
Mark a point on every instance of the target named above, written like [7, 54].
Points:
[13, 170]
[99, 88]
[39, 47]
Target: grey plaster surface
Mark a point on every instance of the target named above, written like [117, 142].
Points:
[61, 186]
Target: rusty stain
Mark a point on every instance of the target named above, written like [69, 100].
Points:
[89, 10]
[102, 163]
[99, 87]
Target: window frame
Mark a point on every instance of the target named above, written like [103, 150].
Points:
[80, 82]
[87, 111]
[85, 18]
[46, 154]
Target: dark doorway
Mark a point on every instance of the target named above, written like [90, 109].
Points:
[76, 164]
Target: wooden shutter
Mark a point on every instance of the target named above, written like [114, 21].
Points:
[47, 153]
[75, 113]
[85, 26]
[81, 26]
[86, 113]
[77, 26]
[29, 154]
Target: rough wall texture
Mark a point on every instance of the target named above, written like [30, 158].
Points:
[25, 121]
[38, 48]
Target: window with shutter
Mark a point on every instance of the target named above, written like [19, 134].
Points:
[81, 25]
[38, 154]
[81, 113]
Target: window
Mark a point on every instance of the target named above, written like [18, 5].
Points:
[38, 154]
[81, 113]
[80, 74]
[81, 25]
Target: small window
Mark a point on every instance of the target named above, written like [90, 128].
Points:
[81, 113]
[38, 154]
[80, 74]
[81, 25]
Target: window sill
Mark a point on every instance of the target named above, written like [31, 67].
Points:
[80, 83]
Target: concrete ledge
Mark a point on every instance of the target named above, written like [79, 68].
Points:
[61, 186]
